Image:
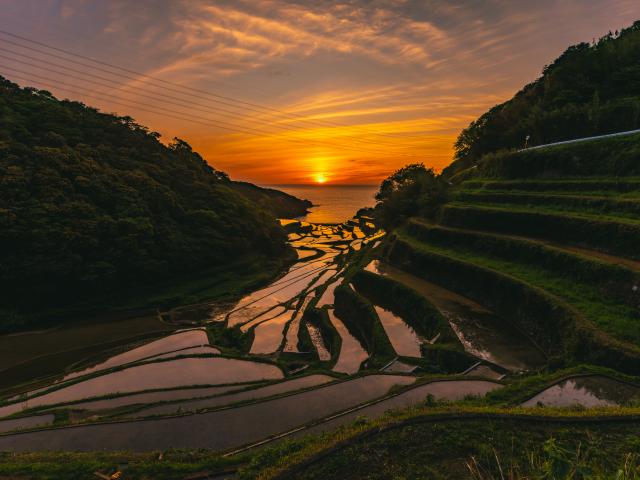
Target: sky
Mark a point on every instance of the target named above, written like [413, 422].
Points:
[285, 92]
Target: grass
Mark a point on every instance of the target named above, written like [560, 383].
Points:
[80, 466]
[432, 441]
[612, 207]
[597, 186]
[616, 319]
[587, 214]
[610, 279]
[437, 442]
[612, 235]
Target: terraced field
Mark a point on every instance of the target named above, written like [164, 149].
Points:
[282, 351]
[495, 305]
[554, 257]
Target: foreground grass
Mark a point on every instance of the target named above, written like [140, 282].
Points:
[175, 464]
[432, 441]
[443, 442]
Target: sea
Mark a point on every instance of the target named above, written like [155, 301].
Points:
[332, 203]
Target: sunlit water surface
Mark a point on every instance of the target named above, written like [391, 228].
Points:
[334, 203]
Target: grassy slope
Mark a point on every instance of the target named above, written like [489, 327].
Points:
[618, 320]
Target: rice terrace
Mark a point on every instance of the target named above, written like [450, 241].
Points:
[347, 270]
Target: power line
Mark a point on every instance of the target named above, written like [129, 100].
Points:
[111, 83]
[171, 113]
[247, 105]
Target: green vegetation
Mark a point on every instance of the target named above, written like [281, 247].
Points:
[544, 241]
[93, 205]
[412, 190]
[80, 466]
[405, 302]
[280, 204]
[363, 323]
[443, 442]
[588, 90]
[591, 273]
[608, 235]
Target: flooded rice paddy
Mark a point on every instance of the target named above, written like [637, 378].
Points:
[318, 343]
[450, 390]
[352, 354]
[291, 345]
[166, 374]
[253, 394]
[219, 430]
[268, 336]
[180, 371]
[154, 349]
[156, 396]
[403, 338]
[586, 391]
[327, 296]
[481, 332]
[26, 422]
[185, 388]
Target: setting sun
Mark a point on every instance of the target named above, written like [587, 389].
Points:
[321, 178]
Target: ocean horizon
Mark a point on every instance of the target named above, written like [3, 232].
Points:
[333, 203]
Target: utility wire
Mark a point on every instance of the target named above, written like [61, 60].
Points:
[52, 83]
[247, 105]
[183, 103]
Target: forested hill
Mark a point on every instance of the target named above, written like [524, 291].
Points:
[281, 204]
[588, 90]
[91, 202]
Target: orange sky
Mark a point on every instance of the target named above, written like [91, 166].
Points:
[347, 91]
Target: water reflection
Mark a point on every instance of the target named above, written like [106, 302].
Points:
[269, 334]
[167, 374]
[351, 353]
[404, 339]
[481, 332]
[587, 391]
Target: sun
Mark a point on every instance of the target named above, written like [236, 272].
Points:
[321, 178]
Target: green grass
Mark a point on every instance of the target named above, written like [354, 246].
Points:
[612, 235]
[522, 190]
[613, 207]
[556, 209]
[621, 321]
[601, 186]
[611, 280]
[167, 465]
[437, 442]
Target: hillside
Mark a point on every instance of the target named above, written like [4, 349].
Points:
[280, 204]
[92, 203]
[588, 90]
[532, 256]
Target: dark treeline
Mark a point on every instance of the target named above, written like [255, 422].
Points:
[588, 90]
[91, 202]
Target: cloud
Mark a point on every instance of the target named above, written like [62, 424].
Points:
[367, 85]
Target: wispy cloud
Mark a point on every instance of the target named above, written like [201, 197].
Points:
[368, 85]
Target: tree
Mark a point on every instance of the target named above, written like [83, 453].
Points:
[413, 190]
